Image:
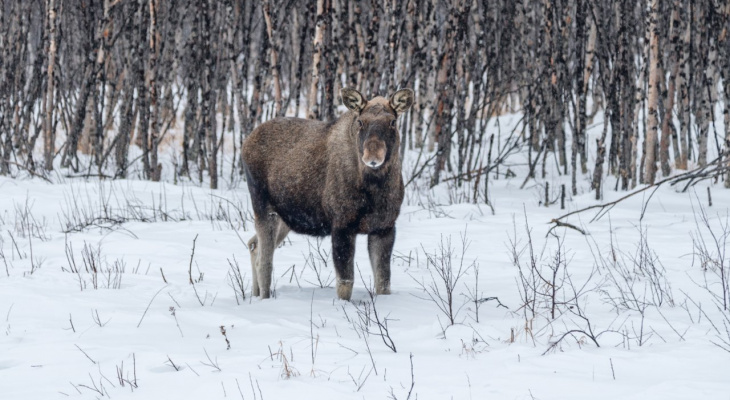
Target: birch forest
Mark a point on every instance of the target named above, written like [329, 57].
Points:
[95, 87]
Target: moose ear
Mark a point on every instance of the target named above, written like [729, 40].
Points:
[402, 100]
[352, 99]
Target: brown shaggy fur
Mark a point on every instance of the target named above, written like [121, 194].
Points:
[339, 178]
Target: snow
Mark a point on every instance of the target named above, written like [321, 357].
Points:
[61, 337]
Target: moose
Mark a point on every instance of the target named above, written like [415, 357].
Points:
[340, 178]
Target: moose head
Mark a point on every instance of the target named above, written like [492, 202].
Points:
[374, 126]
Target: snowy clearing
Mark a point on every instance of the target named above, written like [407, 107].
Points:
[137, 328]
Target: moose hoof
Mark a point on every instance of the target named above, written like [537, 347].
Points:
[265, 293]
[344, 290]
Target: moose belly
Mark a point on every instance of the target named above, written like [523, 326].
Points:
[303, 218]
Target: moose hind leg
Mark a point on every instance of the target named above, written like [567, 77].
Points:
[266, 232]
[281, 231]
[380, 249]
[343, 254]
[253, 245]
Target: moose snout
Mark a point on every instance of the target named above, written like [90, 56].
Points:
[374, 153]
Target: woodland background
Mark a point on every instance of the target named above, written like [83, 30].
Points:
[95, 86]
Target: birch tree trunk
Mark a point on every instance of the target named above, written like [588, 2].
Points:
[684, 95]
[653, 124]
[153, 86]
[313, 104]
[49, 136]
[724, 44]
[668, 130]
[273, 53]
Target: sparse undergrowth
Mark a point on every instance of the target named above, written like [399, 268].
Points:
[560, 293]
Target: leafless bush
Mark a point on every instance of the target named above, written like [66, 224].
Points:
[105, 209]
[236, 281]
[233, 212]
[94, 386]
[2, 256]
[199, 279]
[476, 296]
[634, 281]
[445, 269]
[288, 371]
[71, 260]
[722, 330]
[211, 363]
[318, 261]
[370, 319]
[459, 191]
[548, 290]
[648, 266]
[293, 274]
[419, 193]
[722, 334]
[95, 267]
[392, 395]
[101, 385]
[97, 319]
[92, 262]
[81, 211]
[528, 280]
[540, 279]
[576, 320]
[710, 247]
[14, 248]
[124, 378]
[26, 225]
[360, 381]
[112, 274]
[172, 364]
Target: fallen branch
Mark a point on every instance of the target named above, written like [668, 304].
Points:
[565, 225]
[712, 169]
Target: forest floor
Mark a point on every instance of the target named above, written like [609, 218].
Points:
[96, 298]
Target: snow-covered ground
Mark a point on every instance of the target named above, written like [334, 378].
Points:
[638, 308]
[145, 336]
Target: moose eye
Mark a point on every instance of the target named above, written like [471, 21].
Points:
[392, 124]
[359, 123]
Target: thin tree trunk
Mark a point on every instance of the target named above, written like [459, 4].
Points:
[155, 167]
[320, 26]
[445, 98]
[207, 130]
[653, 125]
[273, 54]
[684, 97]
[724, 44]
[328, 65]
[143, 101]
[581, 88]
[49, 135]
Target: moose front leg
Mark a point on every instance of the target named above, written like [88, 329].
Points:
[380, 248]
[343, 253]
